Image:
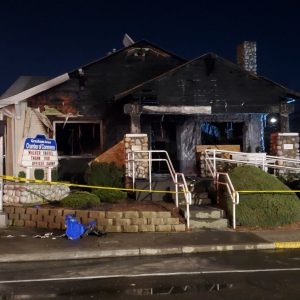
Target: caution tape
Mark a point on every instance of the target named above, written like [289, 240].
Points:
[13, 178]
[287, 245]
[269, 191]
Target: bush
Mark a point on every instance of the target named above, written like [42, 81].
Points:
[39, 174]
[80, 200]
[104, 174]
[22, 174]
[263, 210]
[110, 196]
[292, 181]
[54, 175]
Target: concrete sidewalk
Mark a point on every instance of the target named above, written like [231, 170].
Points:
[18, 244]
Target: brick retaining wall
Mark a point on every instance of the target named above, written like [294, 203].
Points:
[110, 221]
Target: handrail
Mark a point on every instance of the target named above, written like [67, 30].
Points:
[234, 195]
[132, 159]
[257, 159]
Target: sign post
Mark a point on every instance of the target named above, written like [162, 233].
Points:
[39, 152]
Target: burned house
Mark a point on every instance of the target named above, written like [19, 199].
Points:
[143, 88]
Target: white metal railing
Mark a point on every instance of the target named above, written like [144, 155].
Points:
[178, 178]
[233, 194]
[262, 160]
[266, 162]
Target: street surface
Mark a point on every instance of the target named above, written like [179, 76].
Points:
[227, 275]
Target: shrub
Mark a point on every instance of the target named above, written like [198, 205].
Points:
[104, 174]
[22, 174]
[263, 210]
[39, 174]
[292, 181]
[54, 175]
[110, 196]
[80, 200]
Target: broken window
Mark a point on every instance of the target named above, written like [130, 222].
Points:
[222, 133]
[78, 139]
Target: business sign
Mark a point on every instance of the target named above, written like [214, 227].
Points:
[39, 152]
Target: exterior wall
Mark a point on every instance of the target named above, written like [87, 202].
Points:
[137, 142]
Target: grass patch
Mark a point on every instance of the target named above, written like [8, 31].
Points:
[263, 210]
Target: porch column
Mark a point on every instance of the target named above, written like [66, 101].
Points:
[284, 118]
[134, 110]
[253, 133]
[187, 136]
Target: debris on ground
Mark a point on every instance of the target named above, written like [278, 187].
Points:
[76, 230]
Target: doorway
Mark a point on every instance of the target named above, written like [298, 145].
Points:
[161, 130]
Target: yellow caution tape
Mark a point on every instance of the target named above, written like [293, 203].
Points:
[286, 245]
[13, 178]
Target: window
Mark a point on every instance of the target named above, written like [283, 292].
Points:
[77, 138]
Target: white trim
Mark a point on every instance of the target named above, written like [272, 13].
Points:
[183, 109]
[135, 135]
[289, 134]
[15, 99]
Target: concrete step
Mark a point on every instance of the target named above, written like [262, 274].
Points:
[206, 217]
[204, 212]
[221, 223]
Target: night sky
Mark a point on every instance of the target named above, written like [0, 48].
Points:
[53, 37]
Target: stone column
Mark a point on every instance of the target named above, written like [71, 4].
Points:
[134, 110]
[286, 145]
[137, 142]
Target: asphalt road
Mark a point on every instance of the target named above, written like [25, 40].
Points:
[228, 275]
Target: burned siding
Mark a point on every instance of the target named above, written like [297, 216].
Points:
[211, 80]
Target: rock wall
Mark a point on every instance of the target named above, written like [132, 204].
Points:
[19, 193]
[137, 142]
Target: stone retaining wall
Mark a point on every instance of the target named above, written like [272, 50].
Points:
[33, 193]
[110, 221]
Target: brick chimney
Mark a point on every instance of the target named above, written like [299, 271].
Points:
[246, 56]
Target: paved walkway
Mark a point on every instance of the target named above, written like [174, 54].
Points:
[19, 244]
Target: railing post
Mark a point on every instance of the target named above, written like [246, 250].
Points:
[233, 211]
[189, 198]
[133, 171]
[176, 190]
[150, 167]
[215, 163]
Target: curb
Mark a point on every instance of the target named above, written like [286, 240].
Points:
[287, 245]
[93, 254]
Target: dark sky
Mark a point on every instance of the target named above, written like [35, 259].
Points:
[53, 37]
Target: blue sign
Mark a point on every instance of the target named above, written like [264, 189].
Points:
[40, 142]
